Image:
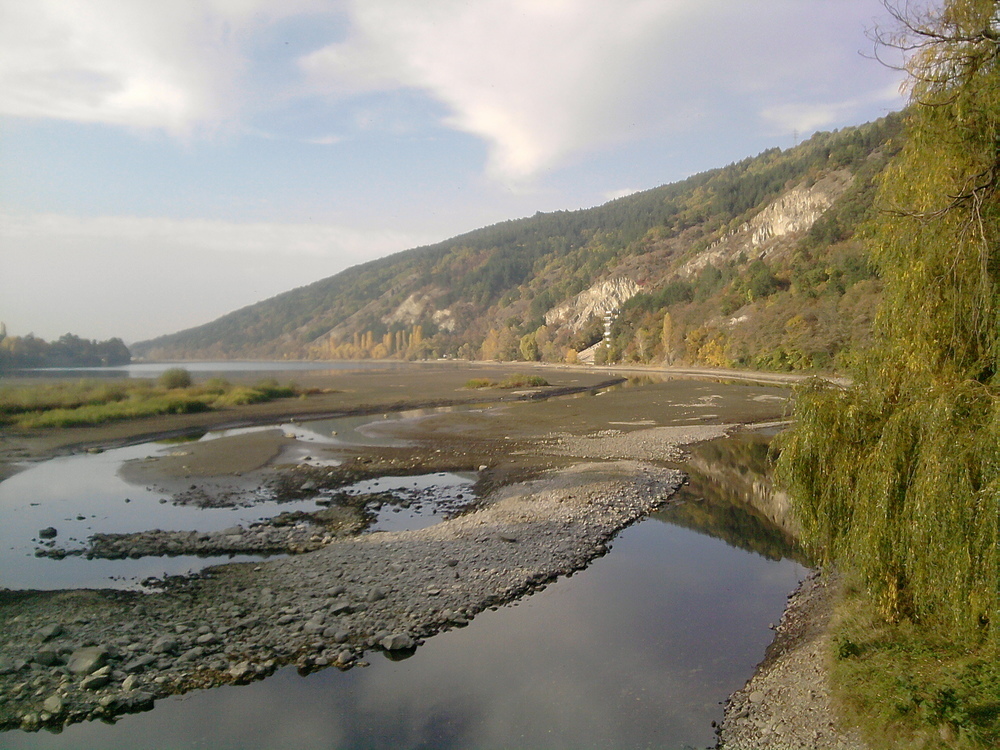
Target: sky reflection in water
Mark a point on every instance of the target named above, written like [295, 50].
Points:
[635, 652]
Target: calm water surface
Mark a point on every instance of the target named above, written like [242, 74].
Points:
[635, 652]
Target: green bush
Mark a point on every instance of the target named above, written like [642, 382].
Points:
[175, 377]
[241, 395]
[216, 385]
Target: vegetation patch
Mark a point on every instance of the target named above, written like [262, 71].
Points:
[91, 402]
[510, 382]
[905, 685]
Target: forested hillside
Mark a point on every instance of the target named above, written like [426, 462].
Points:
[755, 264]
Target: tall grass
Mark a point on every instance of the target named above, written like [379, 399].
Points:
[91, 402]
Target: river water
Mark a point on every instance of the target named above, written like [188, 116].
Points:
[638, 651]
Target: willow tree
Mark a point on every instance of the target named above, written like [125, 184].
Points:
[898, 476]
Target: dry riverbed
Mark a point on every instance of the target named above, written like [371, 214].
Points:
[556, 480]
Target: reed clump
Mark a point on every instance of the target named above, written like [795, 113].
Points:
[510, 382]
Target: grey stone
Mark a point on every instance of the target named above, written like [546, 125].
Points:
[47, 533]
[50, 631]
[375, 595]
[83, 661]
[397, 642]
[192, 654]
[207, 639]
[53, 705]
[47, 658]
[95, 681]
[139, 663]
[242, 671]
[164, 645]
[139, 701]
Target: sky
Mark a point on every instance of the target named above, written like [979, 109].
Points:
[164, 163]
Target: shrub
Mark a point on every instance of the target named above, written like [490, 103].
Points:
[216, 385]
[175, 377]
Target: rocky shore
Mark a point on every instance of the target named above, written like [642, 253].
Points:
[79, 655]
[786, 704]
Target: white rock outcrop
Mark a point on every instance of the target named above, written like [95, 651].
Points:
[793, 212]
[597, 300]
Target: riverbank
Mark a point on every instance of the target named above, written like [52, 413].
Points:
[787, 703]
[74, 656]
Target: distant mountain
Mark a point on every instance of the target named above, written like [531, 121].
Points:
[755, 264]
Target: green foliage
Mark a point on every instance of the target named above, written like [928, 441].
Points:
[270, 389]
[85, 416]
[905, 686]
[175, 377]
[511, 381]
[216, 385]
[25, 399]
[68, 351]
[903, 485]
[86, 403]
[474, 383]
[898, 477]
[240, 396]
[523, 381]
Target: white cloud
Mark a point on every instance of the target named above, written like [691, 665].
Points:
[173, 65]
[345, 244]
[539, 80]
[140, 277]
[542, 81]
[807, 118]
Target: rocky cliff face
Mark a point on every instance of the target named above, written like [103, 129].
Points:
[792, 214]
[416, 306]
[600, 298]
[796, 211]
